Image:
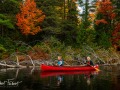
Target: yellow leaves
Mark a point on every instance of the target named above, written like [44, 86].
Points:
[29, 17]
[91, 16]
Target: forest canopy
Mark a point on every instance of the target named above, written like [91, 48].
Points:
[67, 22]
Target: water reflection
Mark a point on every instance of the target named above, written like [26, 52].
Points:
[33, 79]
[17, 77]
[48, 74]
[88, 77]
[16, 70]
[59, 80]
[62, 76]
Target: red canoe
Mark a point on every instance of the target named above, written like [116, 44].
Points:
[68, 68]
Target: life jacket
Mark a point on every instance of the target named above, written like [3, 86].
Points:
[60, 62]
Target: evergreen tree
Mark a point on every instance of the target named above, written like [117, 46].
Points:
[8, 9]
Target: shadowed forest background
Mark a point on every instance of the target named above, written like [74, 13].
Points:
[74, 29]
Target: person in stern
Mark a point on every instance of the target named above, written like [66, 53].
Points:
[89, 61]
[60, 61]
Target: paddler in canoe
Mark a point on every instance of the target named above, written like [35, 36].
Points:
[89, 61]
[60, 61]
[60, 67]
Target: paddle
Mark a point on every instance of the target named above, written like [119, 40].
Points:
[95, 68]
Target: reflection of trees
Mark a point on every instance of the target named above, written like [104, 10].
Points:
[108, 79]
[105, 80]
[30, 77]
[16, 72]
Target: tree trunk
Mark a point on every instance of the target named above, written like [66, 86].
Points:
[64, 14]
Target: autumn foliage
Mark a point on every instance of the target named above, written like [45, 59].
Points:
[101, 21]
[116, 35]
[29, 18]
[105, 8]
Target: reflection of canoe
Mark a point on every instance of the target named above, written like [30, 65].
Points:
[67, 68]
[47, 74]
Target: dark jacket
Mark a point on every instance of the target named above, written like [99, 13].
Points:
[90, 63]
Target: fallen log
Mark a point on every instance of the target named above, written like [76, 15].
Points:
[12, 66]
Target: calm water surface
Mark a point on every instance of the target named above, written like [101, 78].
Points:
[32, 79]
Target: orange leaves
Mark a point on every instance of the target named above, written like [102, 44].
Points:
[91, 17]
[106, 9]
[29, 18]
[101, 21]
[112, 15]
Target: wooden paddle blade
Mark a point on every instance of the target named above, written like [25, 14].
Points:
[97, 69]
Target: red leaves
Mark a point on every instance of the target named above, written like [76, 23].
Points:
[106, 9]
[116, 34]
[29, 18]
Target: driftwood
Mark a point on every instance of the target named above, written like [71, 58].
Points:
[12, 66]
[16, 64]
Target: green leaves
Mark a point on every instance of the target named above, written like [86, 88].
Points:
[4, 21]
[7, 23]
[8, 9]
[2, 49]
[2, 16]
[85, 36]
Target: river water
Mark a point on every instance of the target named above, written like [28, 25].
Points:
[33, 79]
